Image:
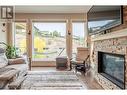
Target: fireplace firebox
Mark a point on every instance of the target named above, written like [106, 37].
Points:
[112, 67]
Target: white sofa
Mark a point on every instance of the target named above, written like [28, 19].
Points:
[4, 64]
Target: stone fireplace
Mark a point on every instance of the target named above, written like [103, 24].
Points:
[112, 67]
[115, 45]
[114, 42]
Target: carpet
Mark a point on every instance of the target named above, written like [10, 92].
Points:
[59, 80]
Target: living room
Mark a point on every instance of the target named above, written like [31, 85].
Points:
[32, 31]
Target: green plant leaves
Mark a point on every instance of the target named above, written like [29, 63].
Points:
[10, 51]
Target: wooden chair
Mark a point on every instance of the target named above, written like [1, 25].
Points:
[81, 63]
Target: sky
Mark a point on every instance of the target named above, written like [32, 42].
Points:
[98, 23]
[78, 28]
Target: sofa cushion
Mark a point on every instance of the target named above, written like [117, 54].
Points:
[16, 61]
[23, 68]
[3, 60]
[2, 50]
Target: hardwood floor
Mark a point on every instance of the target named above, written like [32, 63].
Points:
[88, 80]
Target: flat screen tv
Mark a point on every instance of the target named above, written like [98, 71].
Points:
[101, 18]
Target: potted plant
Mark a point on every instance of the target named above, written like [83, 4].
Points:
[10, 51]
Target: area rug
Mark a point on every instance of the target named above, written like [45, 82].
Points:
[59, 80]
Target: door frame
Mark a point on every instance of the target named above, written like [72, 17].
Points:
[50, 63]
[29, 22]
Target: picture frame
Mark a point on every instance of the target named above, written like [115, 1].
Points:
[6, 12]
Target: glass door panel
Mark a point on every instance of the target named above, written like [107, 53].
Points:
[49, 40]
[77, 37]
[20, 38]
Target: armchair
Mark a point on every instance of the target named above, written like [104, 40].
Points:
[82, 62]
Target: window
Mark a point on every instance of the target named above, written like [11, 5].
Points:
[20, 38]
[77, 35]
[49, 40]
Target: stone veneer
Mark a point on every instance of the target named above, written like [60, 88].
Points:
[114, 45]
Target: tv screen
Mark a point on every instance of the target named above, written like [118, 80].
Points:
[101, 18]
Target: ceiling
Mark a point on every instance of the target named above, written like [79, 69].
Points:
[52, 9]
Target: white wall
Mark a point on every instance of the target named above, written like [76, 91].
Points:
[3, 35]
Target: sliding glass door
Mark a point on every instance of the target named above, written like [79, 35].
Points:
[19, 38]
[78, 33]
[48, 40]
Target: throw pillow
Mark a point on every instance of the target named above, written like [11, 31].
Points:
[3, 60]
[16, 61]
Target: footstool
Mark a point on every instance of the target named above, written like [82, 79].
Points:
[61, 62]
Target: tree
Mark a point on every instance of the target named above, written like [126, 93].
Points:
[39, 44]
[59, 34]
[55, 33]
[51, 34]
[90, 29]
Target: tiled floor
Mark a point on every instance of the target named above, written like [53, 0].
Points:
[88, 79]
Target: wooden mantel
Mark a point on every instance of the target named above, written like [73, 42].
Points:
[116, 34]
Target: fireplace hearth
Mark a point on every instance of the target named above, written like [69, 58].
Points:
[112, 67]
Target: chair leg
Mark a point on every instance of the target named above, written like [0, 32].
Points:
[75, 69]
[71, 66]
[84, 72]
